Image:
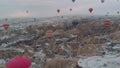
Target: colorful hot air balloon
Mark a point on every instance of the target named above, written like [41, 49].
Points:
[58, 10]
[70, 9]
[73, 0]
[49, 34]
[90, 10]
[19, 62]
[107, 23]
[6, 26]
[102, 1]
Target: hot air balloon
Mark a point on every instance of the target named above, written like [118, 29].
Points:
[70, 9]
[6, 19]
[73, 0]
[90, 10]
[118, 12]
[34, 19]
[62, 16]
[75, 22]
[19, 62]
[6, 26]
[102, 1]
[58, 10]
[27, 11]
[107, 23]
[49, 34]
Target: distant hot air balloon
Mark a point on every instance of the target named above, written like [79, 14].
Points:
[6, 19]
[62, 16]
[107, 23]
[34, 19]
[75, 22]
[49, 34]
[90, 10]
[102, 1]
[70, 9]
[118, 12]
[19, 62]
[73, 0]
[27, 11]
[58, 10]
[6, 26]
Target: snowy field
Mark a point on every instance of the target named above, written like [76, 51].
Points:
[68, 42]
[107, 61]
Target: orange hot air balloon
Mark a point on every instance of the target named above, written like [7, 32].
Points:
[90, 10]
[70, 9]
[6, 26]
[49, 34]
[58, 10]
[107, 23]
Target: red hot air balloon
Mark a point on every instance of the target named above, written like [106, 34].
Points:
[107, 23]
[70, 9]
[58, 10]
[90, 10]
[49, 34]
[19, 62]
[6, 26]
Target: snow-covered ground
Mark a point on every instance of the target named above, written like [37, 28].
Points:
[107, 61]
[9, 41]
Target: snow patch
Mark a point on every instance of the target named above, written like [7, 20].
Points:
[107, 61]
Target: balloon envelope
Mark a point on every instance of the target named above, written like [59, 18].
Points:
[75, 22]
[118, 12]
[27, 11]
[6, 19]
[70, 9]
[73, 0]
[6, 26]
[19, 62]
[90, 10]
[58, 10]
[107, 23]
[102, 1]
[62, 16]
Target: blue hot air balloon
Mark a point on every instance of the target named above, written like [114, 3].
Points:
[75, 22]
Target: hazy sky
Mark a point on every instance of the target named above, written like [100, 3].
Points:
[46, 8]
